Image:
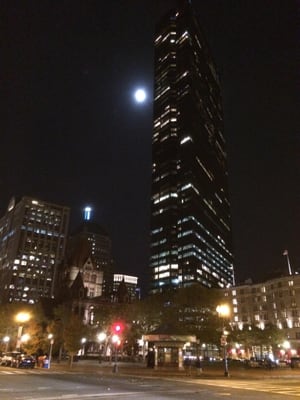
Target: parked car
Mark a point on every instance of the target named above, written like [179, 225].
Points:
[6, 359]
[253, 363]
[295, 362]
[260, 363]
[282, 363]
[23, 361]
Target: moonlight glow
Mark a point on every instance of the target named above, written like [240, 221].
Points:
[140, 95]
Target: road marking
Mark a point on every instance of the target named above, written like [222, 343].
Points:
[34, 372]
[44, 387]
[254, 386]
[84, 396]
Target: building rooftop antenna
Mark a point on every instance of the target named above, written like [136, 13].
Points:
[87, 213]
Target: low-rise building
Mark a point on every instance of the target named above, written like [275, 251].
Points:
[275, 301]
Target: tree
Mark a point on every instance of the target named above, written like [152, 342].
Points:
[8, 325]
[35, 327]
[67, 329]
[251, 336]
[73, 332]
[197, 312]
[189, 310]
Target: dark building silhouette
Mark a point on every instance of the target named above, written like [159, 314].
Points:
[190, 210]
[33, 235]
[125, 288]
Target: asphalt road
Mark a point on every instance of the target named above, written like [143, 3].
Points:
[94, 381]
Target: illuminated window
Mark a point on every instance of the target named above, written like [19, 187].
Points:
[164, 275]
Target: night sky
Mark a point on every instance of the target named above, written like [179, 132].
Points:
[72, 134]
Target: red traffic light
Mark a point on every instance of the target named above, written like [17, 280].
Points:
[117, 328]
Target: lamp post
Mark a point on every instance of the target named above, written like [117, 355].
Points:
[21, 318]
[102, 336]
[83, 342]
[117, 329]
[116, 341]
[6, 340]
[25, 338]
[51, 339]
[224, 311]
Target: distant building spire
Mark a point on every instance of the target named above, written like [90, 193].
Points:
[87, 213]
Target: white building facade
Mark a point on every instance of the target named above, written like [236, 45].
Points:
[276, 302]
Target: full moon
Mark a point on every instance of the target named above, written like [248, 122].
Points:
[140, 95]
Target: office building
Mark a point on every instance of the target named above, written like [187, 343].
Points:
[33, 237]
[125, 288]
[190, 210]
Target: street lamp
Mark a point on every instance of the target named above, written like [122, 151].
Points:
[83, 342]
[6, 340]
[116, 341]
[21, 318]
[224, 311]
[102, 336]
[286, 345]
[25, 338]
[117, 330]
[51, 339]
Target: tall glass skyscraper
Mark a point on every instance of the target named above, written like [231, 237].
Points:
[190, 210]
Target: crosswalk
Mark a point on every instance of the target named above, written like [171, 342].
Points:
[33, 371]
[289, 389]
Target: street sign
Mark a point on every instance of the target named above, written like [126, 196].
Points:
[223, 341]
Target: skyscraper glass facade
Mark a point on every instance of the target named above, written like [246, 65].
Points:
[190, 209]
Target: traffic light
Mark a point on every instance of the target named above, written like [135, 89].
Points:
[117, 328]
